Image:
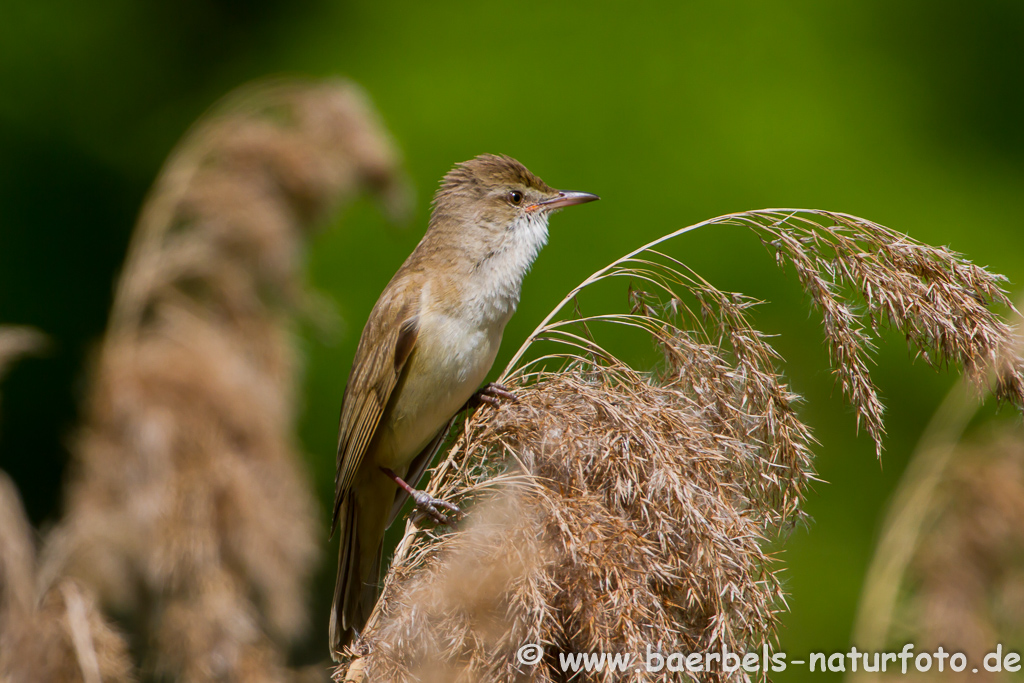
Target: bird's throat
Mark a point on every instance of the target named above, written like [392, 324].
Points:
[493, 287]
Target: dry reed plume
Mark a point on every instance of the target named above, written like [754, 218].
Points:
[948, 567]
[962, 587]
[188, 513]
[617, 508]
[967, 579]
[47, 632]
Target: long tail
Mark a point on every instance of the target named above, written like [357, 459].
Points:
[354, 592]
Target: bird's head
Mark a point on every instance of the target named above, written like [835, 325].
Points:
[498, 210]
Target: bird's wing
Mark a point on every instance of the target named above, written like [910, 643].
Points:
[380, 360]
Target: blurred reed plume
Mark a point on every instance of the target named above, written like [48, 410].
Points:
[16, 342]
[962, 586]
[949, 565]
[617, 508]
[188, 513]
[48, 632]
[966, 582]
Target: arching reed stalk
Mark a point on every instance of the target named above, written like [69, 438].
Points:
[615, 508]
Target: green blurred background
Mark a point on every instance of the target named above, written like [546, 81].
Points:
[908, 113]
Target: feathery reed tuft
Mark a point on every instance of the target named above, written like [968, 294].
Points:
[967, 577]
[962, 584]
[188, 512]
[617, 509]
[52, 633]
[17, 547]
[949, 565]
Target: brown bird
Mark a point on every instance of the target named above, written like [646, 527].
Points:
[428, 344]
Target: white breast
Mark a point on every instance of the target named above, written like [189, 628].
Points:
[448, 365]
[455, 351]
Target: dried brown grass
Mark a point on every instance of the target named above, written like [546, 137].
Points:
[188, 513]
[962, 586]
[17, 545]
[949, 565]
[968, 576]
[617, 509]
[61, 636]
[48, 633]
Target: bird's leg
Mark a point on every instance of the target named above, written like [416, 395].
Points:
[491, 394]
[426, 504]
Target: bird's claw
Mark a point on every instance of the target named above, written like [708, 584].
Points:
[492, 394]
[429, 507]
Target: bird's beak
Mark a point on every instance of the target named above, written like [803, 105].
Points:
[565, 198]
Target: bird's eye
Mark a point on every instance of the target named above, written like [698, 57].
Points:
[515, 197]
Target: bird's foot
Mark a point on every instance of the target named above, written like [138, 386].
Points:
[492, 394]
[428, 507]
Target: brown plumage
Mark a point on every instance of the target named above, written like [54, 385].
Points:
[426, 348]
